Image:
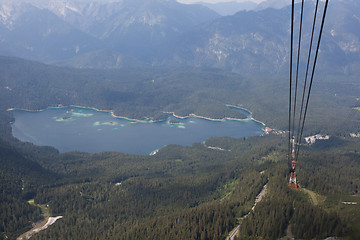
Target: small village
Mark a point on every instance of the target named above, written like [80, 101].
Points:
[355, 135]
[312, 139]
[268, 130]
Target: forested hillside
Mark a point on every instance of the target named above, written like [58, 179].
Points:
[193, 191]
[149, 92]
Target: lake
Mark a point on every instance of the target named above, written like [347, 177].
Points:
[90, 130]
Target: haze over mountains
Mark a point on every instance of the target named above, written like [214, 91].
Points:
[229, 8]
[226, 8]
[128, 33]
[159, 56]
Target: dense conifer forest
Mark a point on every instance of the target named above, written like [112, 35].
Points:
[182, 192]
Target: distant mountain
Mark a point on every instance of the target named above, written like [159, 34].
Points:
[116, 34]
[341, 45]
[229, 8]
[246, 42]
[276, 4]
[258, 41]
[30, 32]
[61, 30]
[102, 20]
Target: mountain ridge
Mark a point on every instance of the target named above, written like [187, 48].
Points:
[169, 33]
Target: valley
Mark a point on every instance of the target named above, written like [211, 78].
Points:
[168, 66]
[181, 191]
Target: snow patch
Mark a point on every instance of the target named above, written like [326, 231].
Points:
[5, 13]
[333, 33]
[73, 9]
[356, 17]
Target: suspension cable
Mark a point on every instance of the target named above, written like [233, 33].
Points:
[306, 74]
[291, 67]
[313, 71]
[297, 65]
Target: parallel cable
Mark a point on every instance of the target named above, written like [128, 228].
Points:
[297, 64]
[313, 71]
[306, 74]
[291, 67]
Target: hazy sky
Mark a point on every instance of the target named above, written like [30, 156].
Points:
[217, 1]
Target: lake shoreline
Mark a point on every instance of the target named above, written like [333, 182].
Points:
[249, 118]
[126, 137]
